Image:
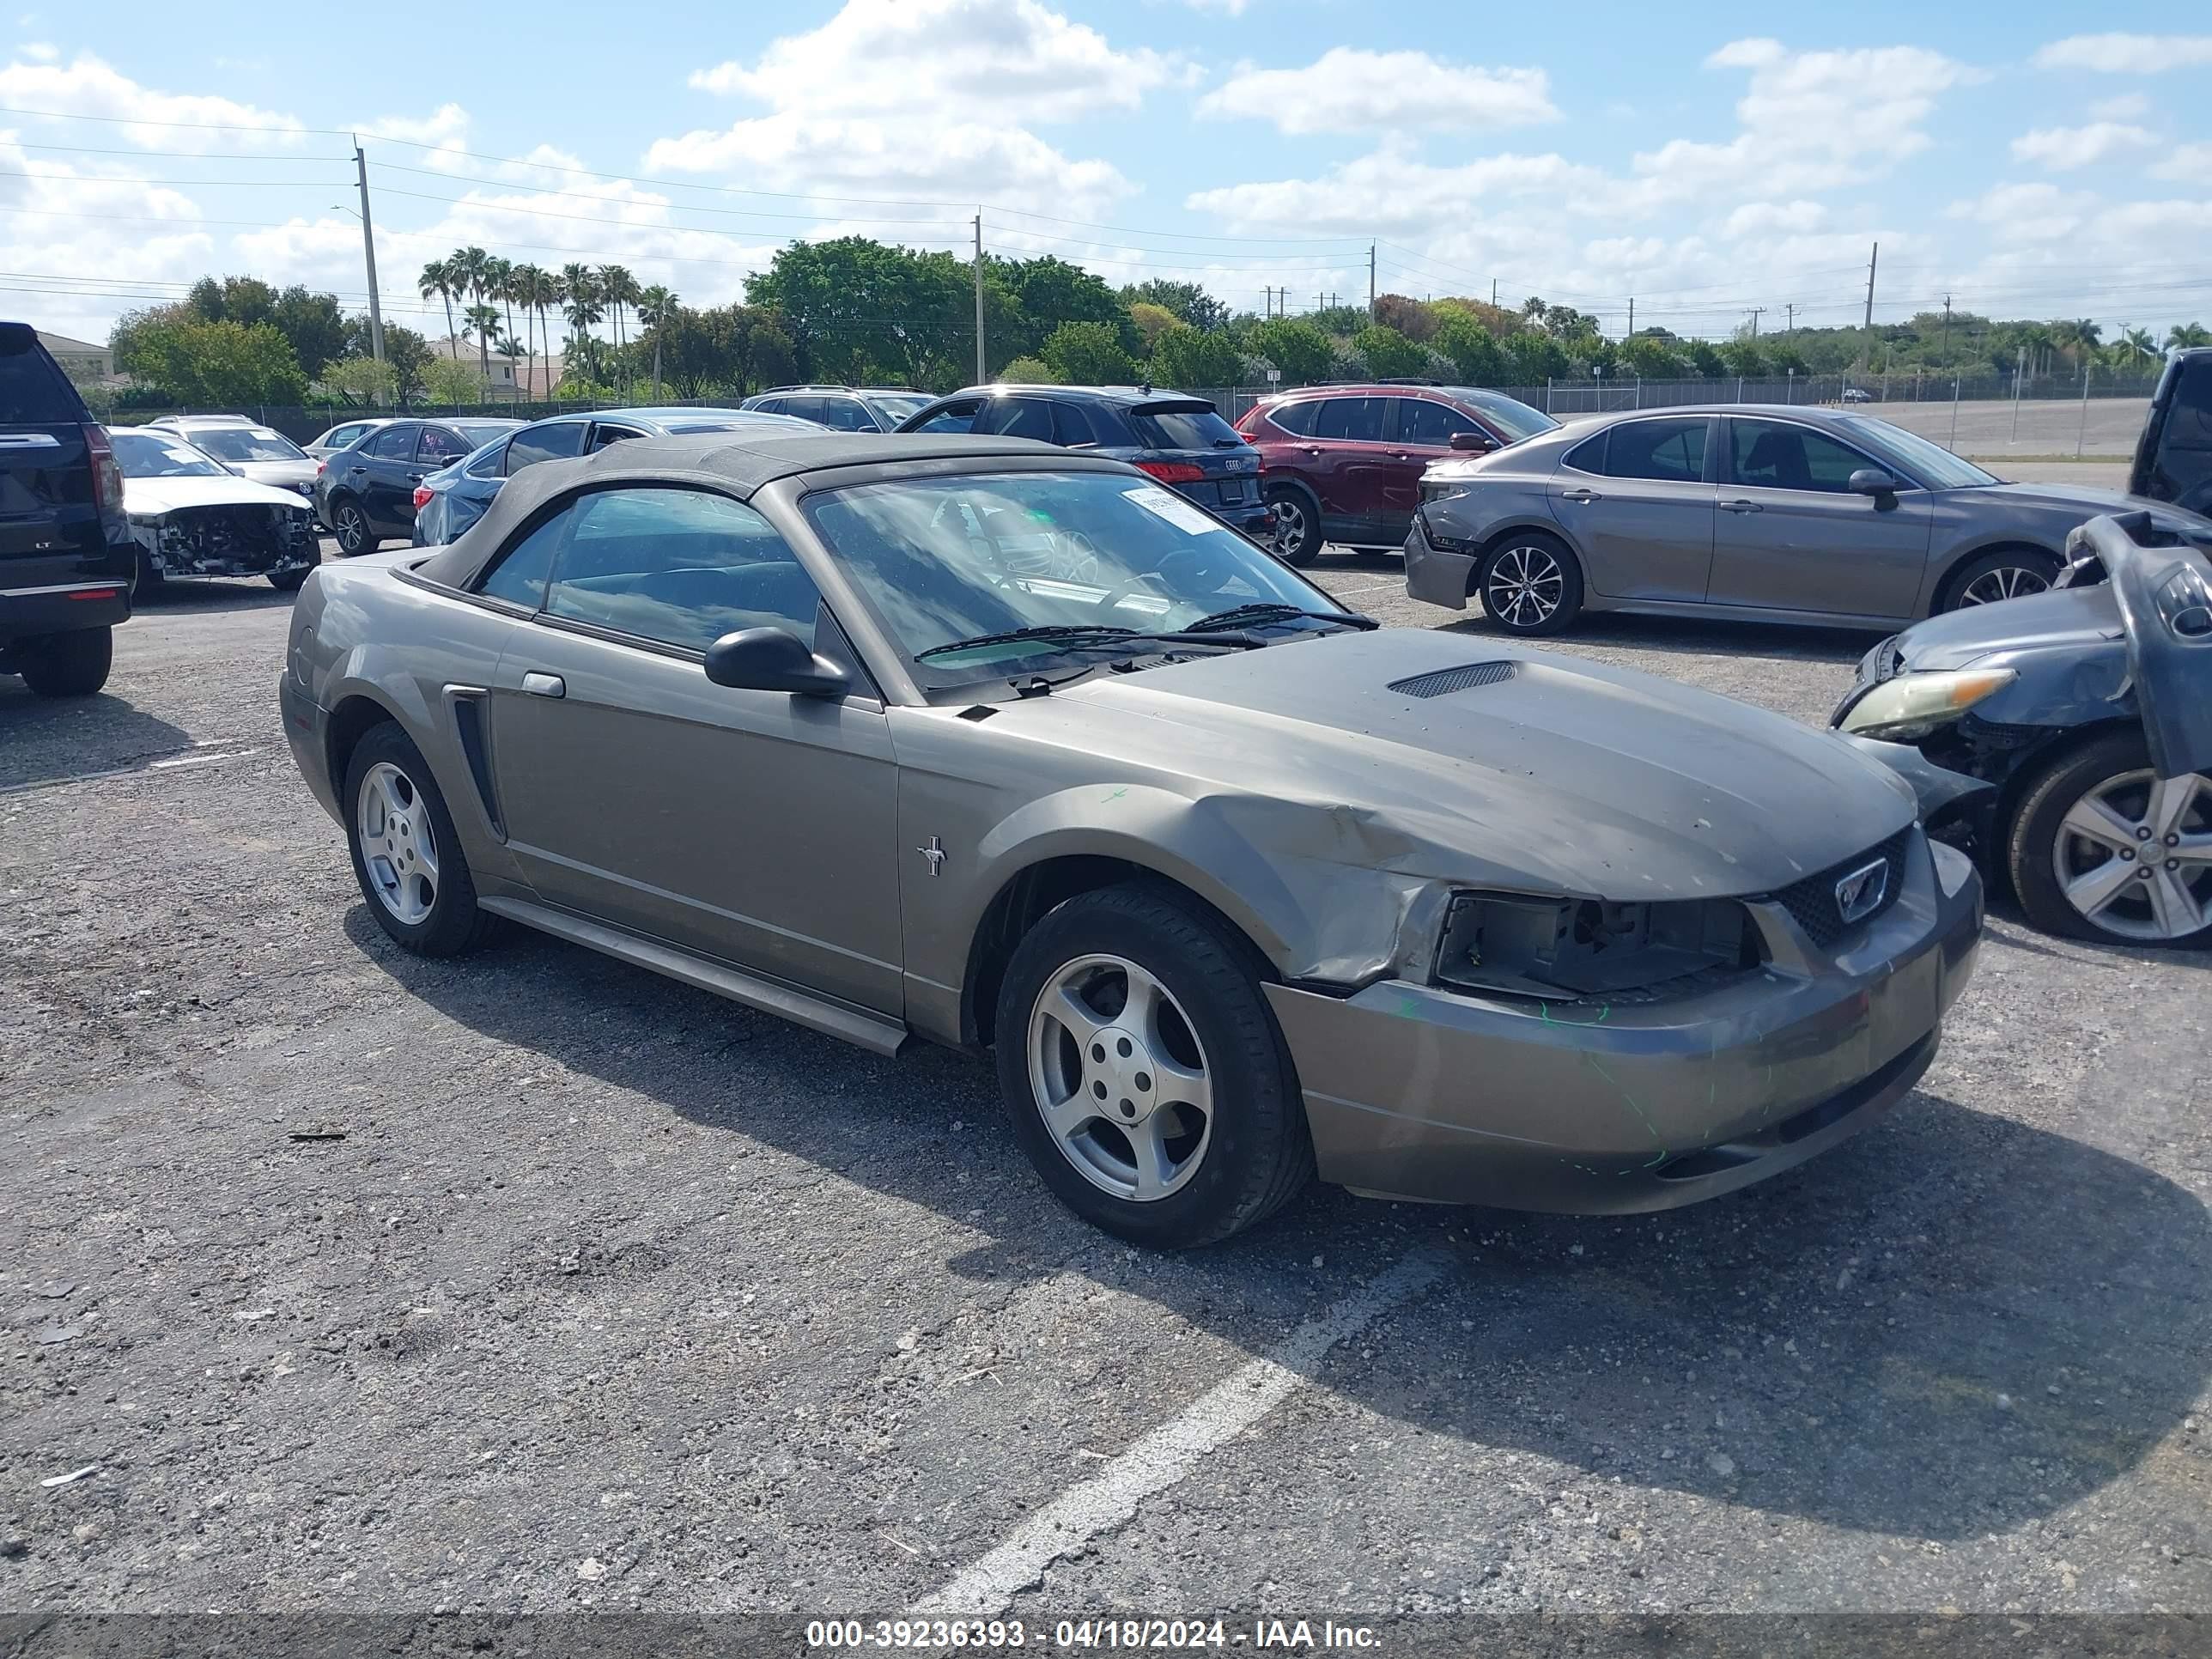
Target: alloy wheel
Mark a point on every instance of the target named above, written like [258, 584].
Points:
[1289, 524]
[2005, 583]
[398, 848]
[1524, 587]
[352, 529]
[2133, 855]
[1120, 1077]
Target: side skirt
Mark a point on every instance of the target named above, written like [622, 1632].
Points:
[871, 1032]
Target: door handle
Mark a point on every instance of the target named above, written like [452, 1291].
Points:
[1310, 449]
[1399, 455]
[545, 685]
[414, 478]
[1742, 506]
[1579, 494]
[356, 467]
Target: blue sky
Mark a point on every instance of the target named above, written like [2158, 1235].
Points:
[2018, 157]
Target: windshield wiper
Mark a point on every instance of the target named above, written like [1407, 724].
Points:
[1085, 633]
[1267, 611]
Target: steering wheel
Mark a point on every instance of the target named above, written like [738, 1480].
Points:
[1200, 559]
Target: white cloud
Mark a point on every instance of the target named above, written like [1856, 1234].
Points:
[988, 60]
[2028, 213]
[1766, 218]
[1348, 90]
[2063, 148]
[2126, 54]
[89, 86]
[2128, 107]
[2189, 164]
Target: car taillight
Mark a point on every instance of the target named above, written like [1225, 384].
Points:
[322, 466]
[421, 496]
[107, 477]
[1172, 471]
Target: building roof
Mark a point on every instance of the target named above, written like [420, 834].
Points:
[61, 344]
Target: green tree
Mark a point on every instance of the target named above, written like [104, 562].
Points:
[860, 310]
[1472, 348]
[1185, 358]
[1295, 347]
[472, 268]
[223, 363]
[246, 299]
[619, 289]
[1410, 317]
[1046, 293]
[1151, 321]
[447, 381]
[1187, 300]
[1652, 358]
[1743, 357]
[362, 381]
[1390, 354]
[655, 305]
[1531, 357]
[1030, 371]
[1089, 354]
[1705, 360]
[438, 279]
[314, 323]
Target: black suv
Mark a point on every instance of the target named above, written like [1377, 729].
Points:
[2173, 458]
[1181, 440]
[840, 408]
[66, 557]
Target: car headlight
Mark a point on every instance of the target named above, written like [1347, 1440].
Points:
[1576, 947]
[1909, 706]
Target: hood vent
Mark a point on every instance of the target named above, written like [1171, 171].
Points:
[1444, 681]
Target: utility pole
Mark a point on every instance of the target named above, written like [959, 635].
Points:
[1791, 327]
[979, 296]
[368, 253]
[1943, 355]
[1370, 282]
[1632, 316]
[1754, 312]
[1866, 358]
[1493, 294]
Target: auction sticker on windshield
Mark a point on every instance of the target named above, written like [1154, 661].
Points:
[1166, 504]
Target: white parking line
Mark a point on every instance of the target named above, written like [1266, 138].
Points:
[203, 755]
[1171, 1451]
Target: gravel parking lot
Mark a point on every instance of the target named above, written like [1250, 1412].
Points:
[340, 1279]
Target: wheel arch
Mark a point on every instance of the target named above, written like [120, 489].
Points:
[356, 714]
[2054, 751]
[1527, 524]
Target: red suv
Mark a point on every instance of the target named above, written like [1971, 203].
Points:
[1344, 463]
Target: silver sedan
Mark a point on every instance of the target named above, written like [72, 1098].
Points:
[1768, 515]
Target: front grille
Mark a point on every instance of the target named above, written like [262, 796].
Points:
[1445, 681]
[1812, 901]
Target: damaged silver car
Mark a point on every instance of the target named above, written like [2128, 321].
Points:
[192, 517]
[1009, 748]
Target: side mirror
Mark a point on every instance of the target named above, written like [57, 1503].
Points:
[774, 659]
[1481, 442]
[1872, 481]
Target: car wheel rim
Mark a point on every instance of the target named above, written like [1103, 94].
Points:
[1290, 526]
[1525, 586]
[2133, 855]
[349, 528]
[2006, 582]
[397, 846]
[1120, 1078]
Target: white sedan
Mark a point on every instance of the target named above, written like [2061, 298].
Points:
[190, 516]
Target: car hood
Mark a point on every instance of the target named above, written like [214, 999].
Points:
[1541, 771]
[147, 498]
[2075, 497]
[2081, 617]
[275, 472]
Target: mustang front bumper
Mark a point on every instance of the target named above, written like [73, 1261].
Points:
[1421, 1092]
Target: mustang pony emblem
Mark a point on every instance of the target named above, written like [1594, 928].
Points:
[1859, 893]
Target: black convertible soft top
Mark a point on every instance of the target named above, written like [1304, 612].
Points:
[736, 464]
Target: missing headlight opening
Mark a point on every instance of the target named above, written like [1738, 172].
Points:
[1540, 947]
[228, 541]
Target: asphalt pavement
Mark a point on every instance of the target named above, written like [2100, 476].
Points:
[337, 1279]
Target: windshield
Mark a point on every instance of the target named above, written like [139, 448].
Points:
[156, 455]
[946, 559]
[247, 443]
[896, 406]
[480, 433]
[1926, 460]
[1515, 418]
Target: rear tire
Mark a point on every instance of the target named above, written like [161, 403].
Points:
[73, 665]
[350, 526]
[1530, 583]
[151, 578]
[429, 906]
[1298, 524]
[1198, 1030]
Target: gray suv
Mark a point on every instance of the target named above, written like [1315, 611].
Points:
[1768, 515]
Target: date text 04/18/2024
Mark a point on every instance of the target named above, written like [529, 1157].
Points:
[1284, 1635]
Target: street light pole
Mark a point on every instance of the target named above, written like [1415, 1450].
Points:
[368, 254]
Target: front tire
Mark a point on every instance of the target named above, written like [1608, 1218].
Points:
[72, 665]
[1529, 584]
[406, 855]
[1298, 524]
[290, 581]
[1144, 1075]
[2007, 574]
[350, 526]
[2100, 849]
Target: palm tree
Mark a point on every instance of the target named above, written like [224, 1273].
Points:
[471, 267]
[2139, 341]
[499, 284]
[580, 303]
[656, 309]
[618, 288]
[2182, 335]
[438, 278]
[484, 320]
[541, 292]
